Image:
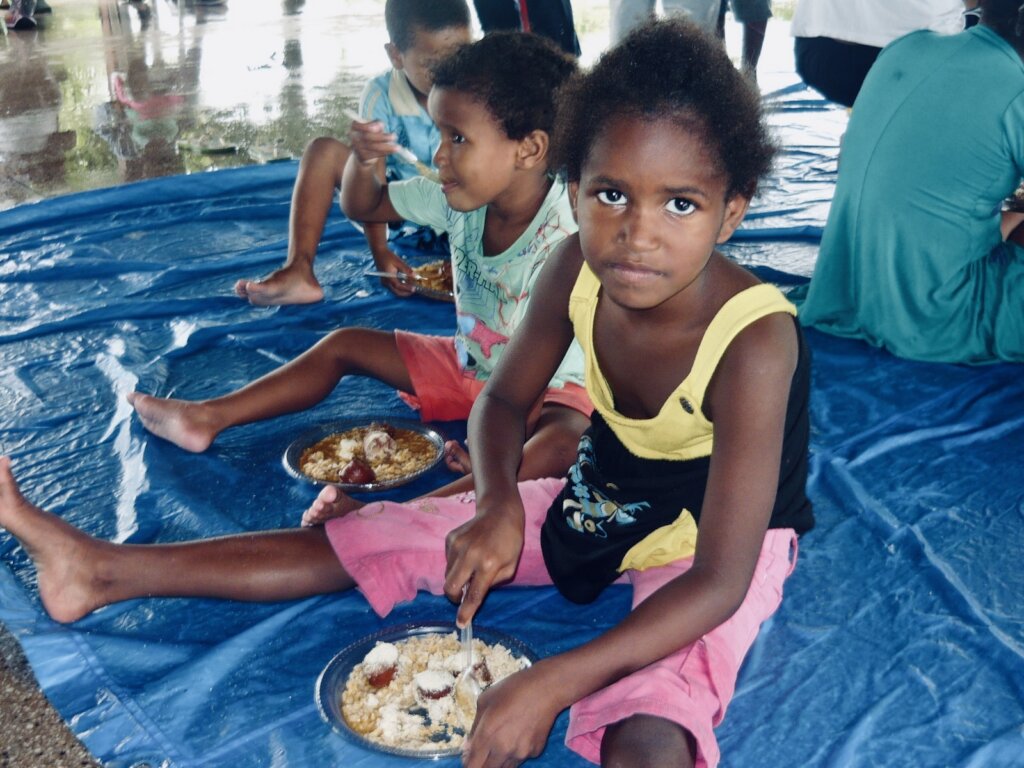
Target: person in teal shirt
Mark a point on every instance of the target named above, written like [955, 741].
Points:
[917, 255]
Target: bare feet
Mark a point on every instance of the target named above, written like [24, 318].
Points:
[67, 561]
[287, 285]
[331, 502]
[181, 422]
[456, 458]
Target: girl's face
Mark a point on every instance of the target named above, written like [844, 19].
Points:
[476, 160]
[651, 208]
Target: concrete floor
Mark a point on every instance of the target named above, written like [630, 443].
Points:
[106, 93]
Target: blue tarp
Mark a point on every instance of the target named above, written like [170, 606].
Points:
[901, 638]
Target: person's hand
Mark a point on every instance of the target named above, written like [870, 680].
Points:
[387, 260]
[369, 141]
[513, 719]
[481, 553]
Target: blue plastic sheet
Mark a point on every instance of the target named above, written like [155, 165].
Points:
[901, 638]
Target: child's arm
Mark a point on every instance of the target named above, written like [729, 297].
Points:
[485, 550]
[747, 403]
[364, 197]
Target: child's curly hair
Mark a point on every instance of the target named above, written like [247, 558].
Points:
[515, 75]
[670, 70]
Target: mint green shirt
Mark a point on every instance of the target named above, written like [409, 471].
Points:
[491, 292]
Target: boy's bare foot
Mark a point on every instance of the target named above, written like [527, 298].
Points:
[179, 421]
[456, 458]
[330, 502]
[68, 562]
[284, 286]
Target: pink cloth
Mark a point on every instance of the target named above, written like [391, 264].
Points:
[446, 392]
[694, 685]
[394, 550]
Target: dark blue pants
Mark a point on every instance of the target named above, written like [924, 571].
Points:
[834, 68]
[551, 18]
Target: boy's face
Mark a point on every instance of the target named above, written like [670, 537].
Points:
[427, 48]
[651, 208]
[476, 160]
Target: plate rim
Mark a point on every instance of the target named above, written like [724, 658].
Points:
[392, 634]
[305, 439]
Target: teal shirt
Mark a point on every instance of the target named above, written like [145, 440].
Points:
[491, 292]
[912, 258]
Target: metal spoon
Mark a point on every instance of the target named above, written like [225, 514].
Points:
[467, 688]
[404, 153]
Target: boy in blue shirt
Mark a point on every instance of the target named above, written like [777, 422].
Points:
[420, 33]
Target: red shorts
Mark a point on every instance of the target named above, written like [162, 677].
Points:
[446, 392]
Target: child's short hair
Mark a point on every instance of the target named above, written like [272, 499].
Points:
[403, 18]
[671, 70]
[513, 74]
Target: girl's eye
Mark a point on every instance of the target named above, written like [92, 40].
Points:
[611, 197]
[680, 206]
[458, 138]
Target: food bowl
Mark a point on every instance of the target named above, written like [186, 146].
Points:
[293, 454]
[331, 683]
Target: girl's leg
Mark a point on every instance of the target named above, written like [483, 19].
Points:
[295, 386]
[645, 741]
[319, 175]
[551, 448]
[78, 574]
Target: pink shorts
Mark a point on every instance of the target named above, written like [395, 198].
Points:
[395, 550]
[445, 392]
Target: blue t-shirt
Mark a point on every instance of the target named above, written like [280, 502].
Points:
[390, 98]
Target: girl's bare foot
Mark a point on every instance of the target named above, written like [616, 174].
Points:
[181, 422]
[456, 458]
[330, 502]
[68, 562]
[284, 286]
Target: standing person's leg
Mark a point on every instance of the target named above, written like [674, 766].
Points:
[496, 14]
[624, 15]
[753, 15]
[317, 181]
[78, 574]
[703, 13]
[295, 386]
[21, 15]
[553, 19]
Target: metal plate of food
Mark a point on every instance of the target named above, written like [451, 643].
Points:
[386, 692]
[364, 455]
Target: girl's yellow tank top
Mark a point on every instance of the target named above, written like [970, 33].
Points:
[679, 430]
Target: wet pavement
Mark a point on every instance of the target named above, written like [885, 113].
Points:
[107, 92]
